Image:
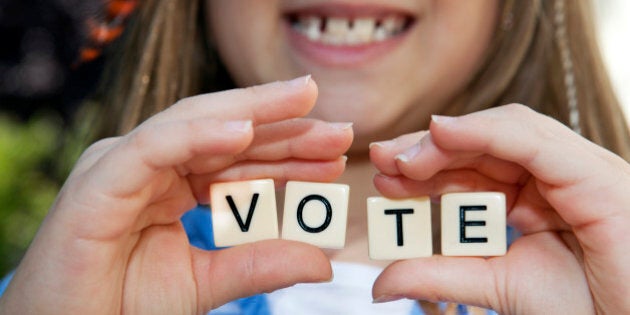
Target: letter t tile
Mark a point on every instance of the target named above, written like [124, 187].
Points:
[399, 228]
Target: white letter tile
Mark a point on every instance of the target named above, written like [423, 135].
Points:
[316, 213]
[473, 224]
[243, 212]
[399, 228]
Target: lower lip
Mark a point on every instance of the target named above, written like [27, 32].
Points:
[344, 55]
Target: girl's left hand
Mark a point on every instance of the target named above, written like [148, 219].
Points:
[567, 196]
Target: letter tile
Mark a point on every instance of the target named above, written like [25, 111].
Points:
[473, 224]
[399, 228]
[316, 213]
[243, 212]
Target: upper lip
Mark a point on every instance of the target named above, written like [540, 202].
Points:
[345, 9]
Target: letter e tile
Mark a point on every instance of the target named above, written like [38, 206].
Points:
[243, 212]
[316, 213]
[473, 224]
[399, 228]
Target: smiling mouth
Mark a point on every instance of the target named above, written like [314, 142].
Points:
[349, 31]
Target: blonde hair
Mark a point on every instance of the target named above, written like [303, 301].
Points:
[524, 65]
[164, 57]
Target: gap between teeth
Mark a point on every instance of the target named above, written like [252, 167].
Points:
[345, 31]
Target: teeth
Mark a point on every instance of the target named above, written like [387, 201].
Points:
[380, 33]
[361, 32]
[336, 30]
[344, 31]
[313, 27]
[393, 24]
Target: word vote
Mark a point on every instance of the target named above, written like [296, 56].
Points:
[472, 224]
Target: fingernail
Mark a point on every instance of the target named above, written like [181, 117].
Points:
[409, 154]
[387, 298]
[341, 125]
[238, 125]
[329, 280]
[381, 144]
[438, 119]
[299, 82]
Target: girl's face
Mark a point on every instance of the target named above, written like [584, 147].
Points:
[384, 65]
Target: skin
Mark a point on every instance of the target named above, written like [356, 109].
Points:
[383, 97]
[572, 215]
[427, 71]
[114, 230]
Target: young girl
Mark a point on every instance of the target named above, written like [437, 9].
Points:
[411, 92]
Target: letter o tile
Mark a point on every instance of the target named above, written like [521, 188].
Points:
[316, 213]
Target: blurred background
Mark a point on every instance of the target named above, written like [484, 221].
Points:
[42, 85]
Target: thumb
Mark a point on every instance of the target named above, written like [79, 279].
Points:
[225, 275]
[466, 280]
[539, 275]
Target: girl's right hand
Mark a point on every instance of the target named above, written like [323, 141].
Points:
[113, 242]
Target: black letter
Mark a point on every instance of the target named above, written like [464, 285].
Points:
[250, 213]
[463, 224]
[399, 231]
[300, 217]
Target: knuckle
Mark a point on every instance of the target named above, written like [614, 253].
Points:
[252, 272]
[529, 119]
[182, 106]
[251, 93]
[100, 145]
[518, 109]
[142, 138]
[97, 149]
[253, 90]
[194, 126]
[183, 103]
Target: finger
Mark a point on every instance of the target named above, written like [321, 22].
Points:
[439, 279]
[93, 153]
[261, 104]
[584, 183]
[290, 139]
[149, 150]
[300, 138]
[528, 212]
[518, 283]
[119, 184]
[402, 156]
[280, 171]
[304, 170]
[533, 214]
[265, 266]
[441, 183]
[434, 160]
[567, 166]
[382, 153]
